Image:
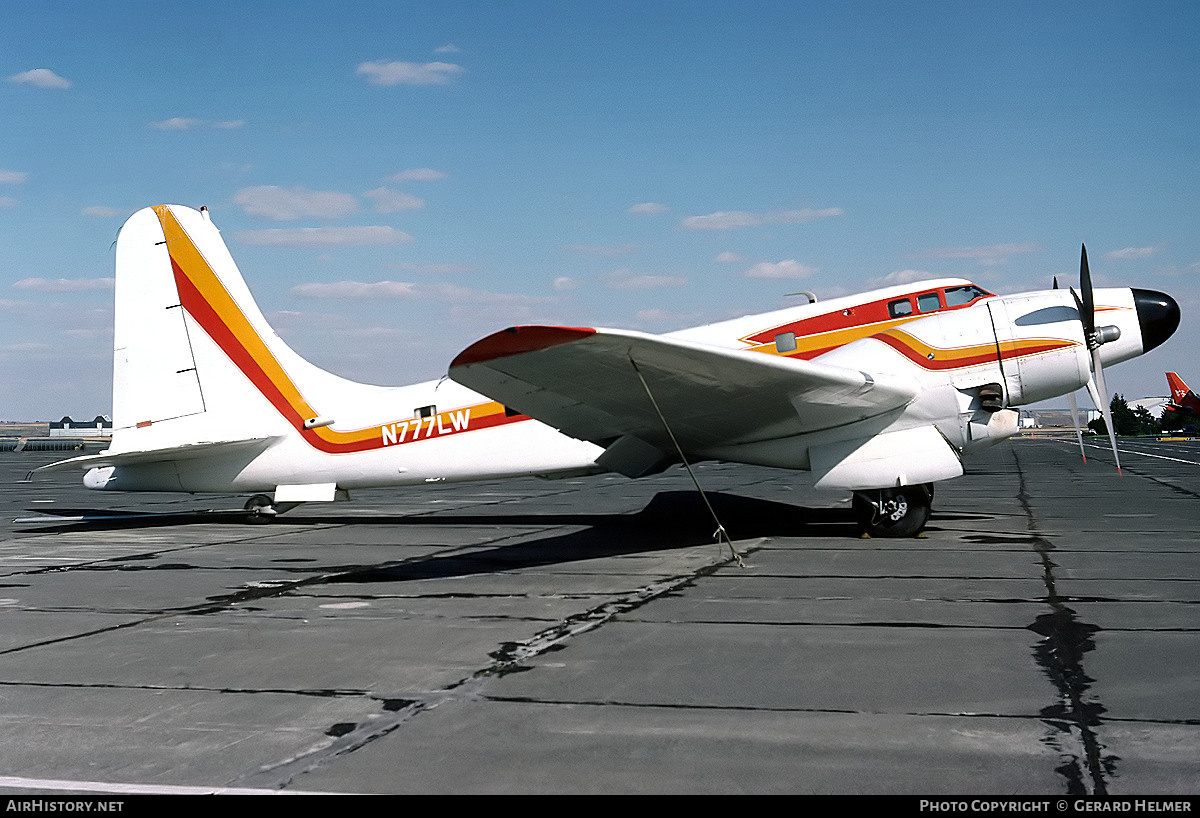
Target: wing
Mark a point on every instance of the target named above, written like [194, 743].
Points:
[596, 385]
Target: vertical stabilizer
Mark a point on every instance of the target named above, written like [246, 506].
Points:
[1179, 389]
[154, 369]
[189, 339]
[195, 361]
[1181, 395]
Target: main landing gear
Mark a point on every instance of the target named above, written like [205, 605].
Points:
[893, 512]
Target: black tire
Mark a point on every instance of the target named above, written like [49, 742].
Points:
[261, 508]
[893, 512]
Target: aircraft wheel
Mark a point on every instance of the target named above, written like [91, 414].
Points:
[893, 512]
[262, 508]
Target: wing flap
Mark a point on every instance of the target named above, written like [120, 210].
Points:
[900, 458]
[584, 382]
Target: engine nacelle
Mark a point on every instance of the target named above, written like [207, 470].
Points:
[1041, 347]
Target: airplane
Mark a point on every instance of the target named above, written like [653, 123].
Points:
[879, 395]
[1184, 402]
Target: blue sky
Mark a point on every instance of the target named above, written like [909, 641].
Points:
[398, 179]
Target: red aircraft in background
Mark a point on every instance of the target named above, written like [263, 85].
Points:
[1184, 401]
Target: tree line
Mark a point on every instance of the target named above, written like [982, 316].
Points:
[1128, 421]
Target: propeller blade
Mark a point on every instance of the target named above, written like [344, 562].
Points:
[1087, 316]
[1102, 405]
[1079, 307]
[1075, 422]
[1088, 311]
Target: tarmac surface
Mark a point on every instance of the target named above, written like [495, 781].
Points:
[589, 636]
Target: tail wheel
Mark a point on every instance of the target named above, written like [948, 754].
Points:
[893, 512]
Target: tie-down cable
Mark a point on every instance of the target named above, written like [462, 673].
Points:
[720, 534]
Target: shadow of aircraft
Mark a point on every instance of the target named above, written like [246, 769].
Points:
[668, 514]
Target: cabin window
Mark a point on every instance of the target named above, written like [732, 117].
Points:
[425, 411]
[957, 296]
[928, 302]
[785, 342]
[899, 309]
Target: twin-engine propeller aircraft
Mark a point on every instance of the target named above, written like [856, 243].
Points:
[879, 394]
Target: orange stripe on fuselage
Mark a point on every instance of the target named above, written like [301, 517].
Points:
[939, 358]
[818, 343]
[204, 296]
[818, 334]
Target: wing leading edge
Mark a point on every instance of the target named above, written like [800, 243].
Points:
[584, 382]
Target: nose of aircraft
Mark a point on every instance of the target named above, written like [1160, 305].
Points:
[1158, 315]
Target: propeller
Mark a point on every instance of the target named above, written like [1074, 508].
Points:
[1075, 422]
[1095, 338]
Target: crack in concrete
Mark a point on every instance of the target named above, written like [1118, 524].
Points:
[1060, 656]
[506, 660]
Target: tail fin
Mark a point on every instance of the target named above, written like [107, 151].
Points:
[1181, 396]
[194, 359]
[1179, 389]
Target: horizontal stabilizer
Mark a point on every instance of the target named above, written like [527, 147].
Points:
[191, 451]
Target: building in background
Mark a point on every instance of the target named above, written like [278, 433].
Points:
[99, 426]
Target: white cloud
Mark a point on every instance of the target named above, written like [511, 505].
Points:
[186, 123]
[372, 236]
[728, 258]
[176, 123]
[734, 219]
[656, 316]
[417, 175]
[392, 201]
[442, 269]
[357, 290]
[602, 250]
[13, 177]
[659, 319]
[988, 255]
[565, 283]
[286, 204]
[789, 268]
[628, 280]
[453, 293]
[64, 285]
[1132, 252]
[40, 78]
[904, 277]
[648, 208]
[7, 201]
[381, 72]
[465, 295]
[448, 48]
[98, 210]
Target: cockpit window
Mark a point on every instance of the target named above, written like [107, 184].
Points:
[928, 302]
[899, 309]
[957, 296]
